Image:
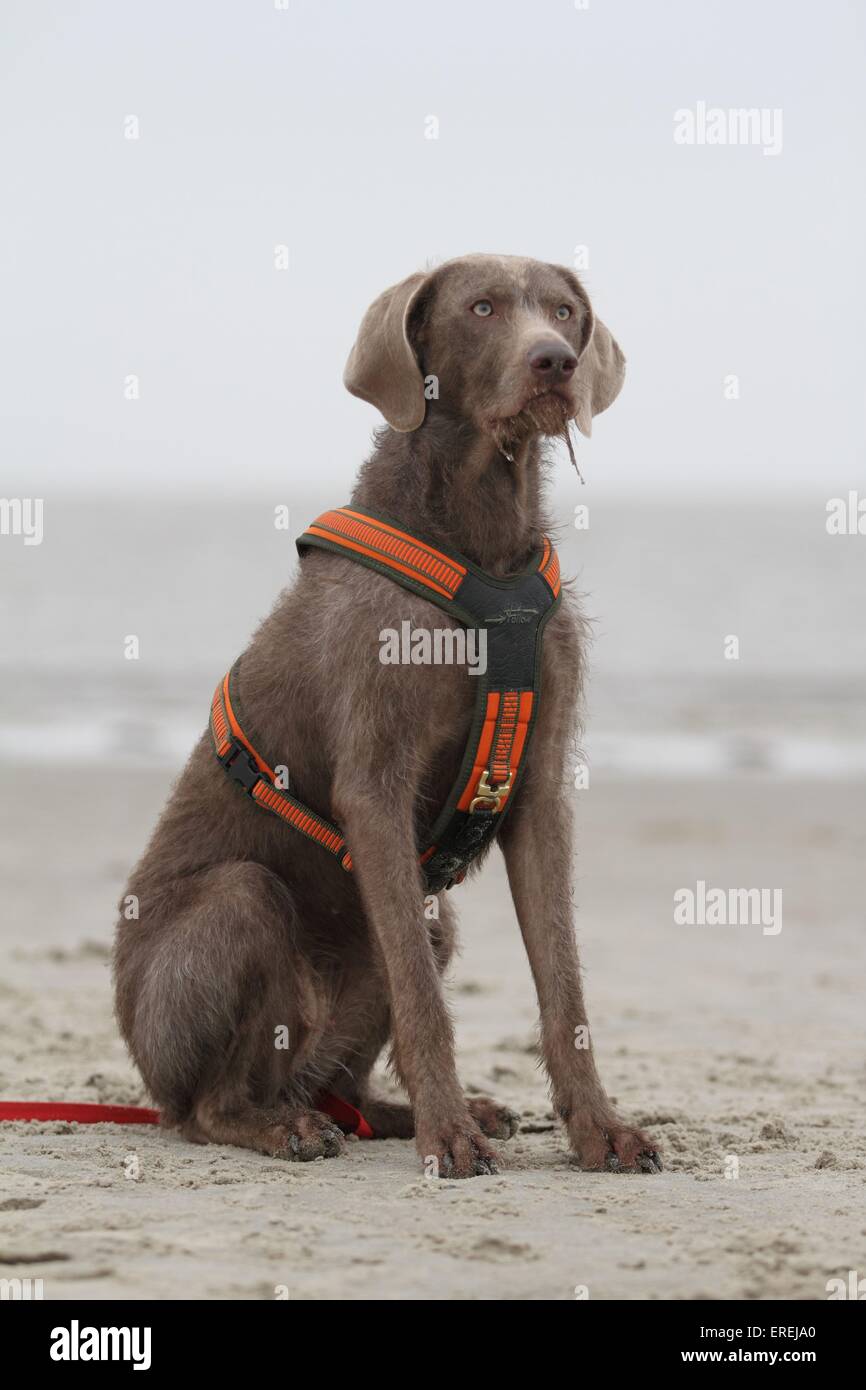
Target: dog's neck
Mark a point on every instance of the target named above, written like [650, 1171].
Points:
[448, 482]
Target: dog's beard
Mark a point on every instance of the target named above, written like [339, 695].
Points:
[550, 415]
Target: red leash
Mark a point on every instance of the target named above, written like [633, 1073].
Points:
[350, 1120]
[84, 1114]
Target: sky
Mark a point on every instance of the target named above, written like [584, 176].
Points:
[731, 276]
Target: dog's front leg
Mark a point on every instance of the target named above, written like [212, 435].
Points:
[385, 858]
[537, 844]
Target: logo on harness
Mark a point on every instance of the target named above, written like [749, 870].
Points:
[515, 615]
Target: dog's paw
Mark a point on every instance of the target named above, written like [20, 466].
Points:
[463, 1153]
[612, 1147]
[307, 1135]
[494, 1120]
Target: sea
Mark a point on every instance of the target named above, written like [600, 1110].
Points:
[727, 639]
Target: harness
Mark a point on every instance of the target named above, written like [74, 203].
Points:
[512, 612]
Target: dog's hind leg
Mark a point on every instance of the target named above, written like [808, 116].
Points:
[223, 1014]
[395, 1120]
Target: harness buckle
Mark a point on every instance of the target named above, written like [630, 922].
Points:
[240, 766]
[489, 798]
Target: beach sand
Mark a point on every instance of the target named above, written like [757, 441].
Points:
[738, 1050]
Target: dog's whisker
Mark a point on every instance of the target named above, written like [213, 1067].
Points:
[566, 434]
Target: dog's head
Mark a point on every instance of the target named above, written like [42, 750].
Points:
[508, 344]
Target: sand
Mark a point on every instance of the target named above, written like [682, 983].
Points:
[736, 1049]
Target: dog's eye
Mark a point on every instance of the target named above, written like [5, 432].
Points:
[563, 312]
[483, 308]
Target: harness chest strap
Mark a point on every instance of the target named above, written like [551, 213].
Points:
[244, 766]
[513, 613]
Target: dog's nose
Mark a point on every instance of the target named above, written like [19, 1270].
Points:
[551, 361]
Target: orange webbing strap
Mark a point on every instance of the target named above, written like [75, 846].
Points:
[390, 547]
[549, 568]
[500, 746]
[244, 766]
[503, 755]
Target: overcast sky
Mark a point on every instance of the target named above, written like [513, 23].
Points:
[305, 126]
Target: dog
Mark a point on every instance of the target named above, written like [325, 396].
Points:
[245, 929]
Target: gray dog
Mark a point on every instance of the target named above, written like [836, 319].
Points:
[246, 927]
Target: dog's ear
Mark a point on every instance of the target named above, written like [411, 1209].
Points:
[382, 367]
[600, 364]
[600, 374]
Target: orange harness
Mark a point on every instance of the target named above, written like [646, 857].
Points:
[511, 612]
